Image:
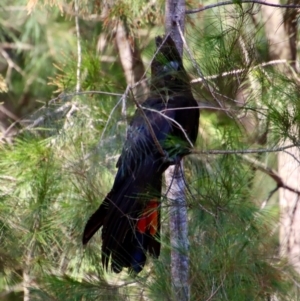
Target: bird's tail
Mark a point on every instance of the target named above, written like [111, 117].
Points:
[130, 221]
[95, 222]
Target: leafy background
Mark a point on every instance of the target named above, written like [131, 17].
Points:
[59, 150]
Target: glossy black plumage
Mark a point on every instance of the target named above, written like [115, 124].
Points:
[130, 213]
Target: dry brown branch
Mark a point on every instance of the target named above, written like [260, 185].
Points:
[265, 169]
[271, 173]
[131, 61]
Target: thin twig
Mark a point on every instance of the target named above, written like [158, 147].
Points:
[10, 62]
[124, 96]
[196, 65]
[292, 155]
[244, 151]
[41, 119]
[66, 95]
[216, 290]
[11, 289]
[17, 45]
[172, 120]
[156, 142]
[189, 51]
[197, 10]
[265, 169]
[79, 57]
[150, 63]
[90, 92]
[8, 113]
[108, 120]
[237, 71]
[271, 173]
[265, 202]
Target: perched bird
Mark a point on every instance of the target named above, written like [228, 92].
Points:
[159, 135]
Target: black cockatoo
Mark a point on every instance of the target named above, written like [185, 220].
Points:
[130, 213]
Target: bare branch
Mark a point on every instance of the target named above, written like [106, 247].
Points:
[172, 120]
[174, 175]
[264, 203]
[270, 172]
[11, 289]
[79, 58]
[61, 110]
[8, 113]
[149, 65]
[292, 155]
[66, 95]
[17, 45]
[245, 151]
[265, 169]
[121, 100]
[197, 10]
[196, 66]
[140, 108]
[10, 62]
[237, 71]
[213, 293]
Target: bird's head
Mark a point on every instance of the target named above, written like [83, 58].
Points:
[167, 69]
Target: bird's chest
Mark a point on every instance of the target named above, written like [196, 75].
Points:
[136, 134]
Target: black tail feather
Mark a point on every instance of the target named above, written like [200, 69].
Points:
[95, 222]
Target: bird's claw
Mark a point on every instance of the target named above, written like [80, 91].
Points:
[171, 160]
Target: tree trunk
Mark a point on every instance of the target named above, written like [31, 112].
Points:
[175, 14]
[281, 32]
[131, 61]
[178, 232]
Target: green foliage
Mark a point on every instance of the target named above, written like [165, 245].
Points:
[230, 254]
[230, 238]
[58, 170]
[38, 38]
[50, 191]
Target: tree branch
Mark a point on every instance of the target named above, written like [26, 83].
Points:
[237, 71]
[197, 10]
[172, 120]
[244, 151]
[79, 58]
[271, 173]
[196, 66]
[178, 222]
[140, 108]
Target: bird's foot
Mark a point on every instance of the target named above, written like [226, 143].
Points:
[171, 160]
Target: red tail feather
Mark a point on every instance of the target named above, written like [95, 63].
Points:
[149, 219]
